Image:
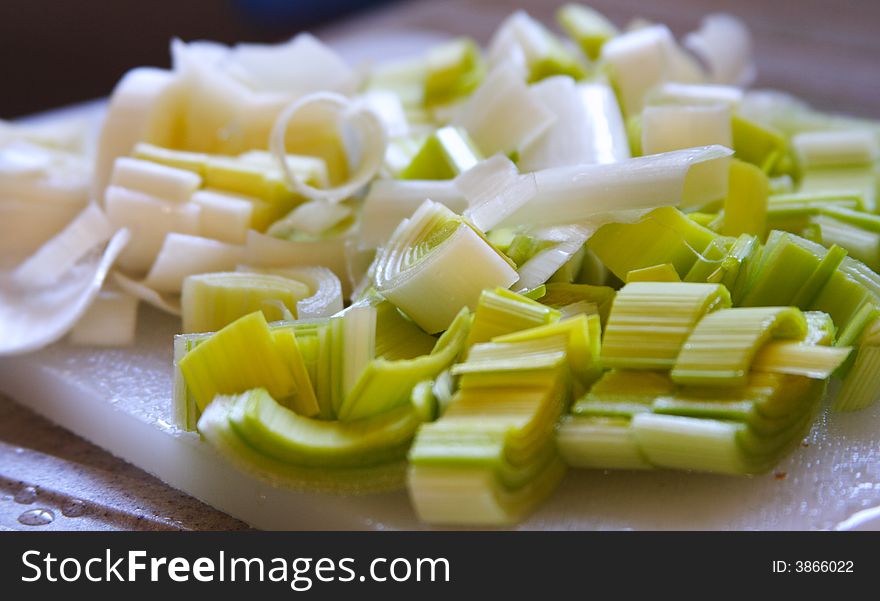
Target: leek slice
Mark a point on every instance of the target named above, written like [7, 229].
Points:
[835, 148]
[589, 28]
[861, 388]
[745, 206]
[786, 262]
[398, 337]
[817, 362]
[665, 272]
[453, 70]
[494, 189]
[110, 320]
[225, 217]
[696, 95]
[860, 180]
[559, 295]
[182, 256]
[150, 219]
[325, 290]
[588, 127]
[528, 47]
[663, 236]
[501, 311]
[210, 301]
[756, 144]
[722, 346]
[447, 152]
[388, 202]
[420, 270]
[575, 194]
[143, 107]
[264, 251]
[565, 242]
[650, 322]
[501, 115]
[161, 181]
[313, 218]
[34, 316]
[303, 401]
[724, 45]
[215, 427]
[673, 127]
[387, 384]
[600, 442]
[239, 357]
[623, 393]
[359, 123]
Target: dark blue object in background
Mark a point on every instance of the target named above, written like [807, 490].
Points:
[292, 15]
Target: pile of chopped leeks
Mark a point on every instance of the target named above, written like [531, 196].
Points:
[468, 270]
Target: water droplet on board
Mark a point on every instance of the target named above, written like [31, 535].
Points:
[26, 495]
[73, 508]
[36, 517]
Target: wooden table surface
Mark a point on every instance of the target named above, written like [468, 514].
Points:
[826, 52]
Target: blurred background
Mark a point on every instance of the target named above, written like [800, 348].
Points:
[56, 52]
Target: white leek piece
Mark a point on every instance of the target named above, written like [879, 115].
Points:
[32, 317]
[54, 259]
[164, 302]
[578, 193]
[143, 107]
[111, 320]
[696, 94]
[567, 240]
[362, 129]
[150, 220]
[224, 217]
[640, 60]
[161, 181]
[389, 202]
[435, 264]
[300, 66]
[389, 108]
[267, 251]
[501, 115]
[671, 127]
[724, 44]
[525, 45]
[835, 148]
[314, 217]
[494, 190]
[182, 255]
[588, 127]
[326, 290]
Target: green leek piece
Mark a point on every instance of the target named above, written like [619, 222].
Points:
[811, 361]
[707, 220]
[623, 393]
[397, 337]
[665, 272]
[563, 295]
[843, 297]
[276, 432]
[587, 27]
[650, 322]
[454, 69]
[711, 260]
[664, 235]
[303, 401]
[720, 349]
[387, 384]
[785, 264]
[820, 329]
[211, 301]
[858, 181]
[757, 144]
[733, 269]
[600, 442]
[859, 242]
[501, 311]
[241, 356]
[583, 334]
[845, 199]
[523, 247]
[861, 387]
[634, 128]
[446, 153]
[745, 207]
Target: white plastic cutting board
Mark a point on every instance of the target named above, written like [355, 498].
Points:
[120, 399]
